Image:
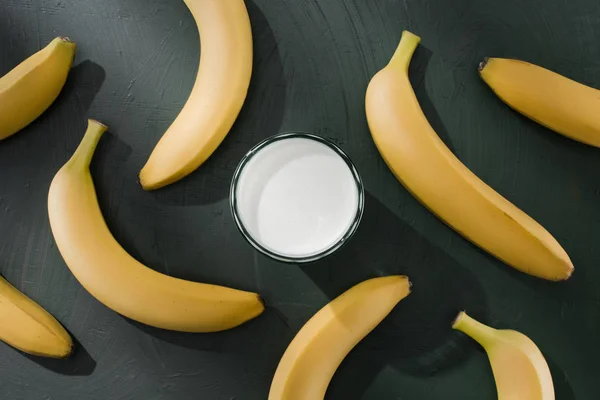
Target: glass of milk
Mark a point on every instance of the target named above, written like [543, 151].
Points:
[296, 197]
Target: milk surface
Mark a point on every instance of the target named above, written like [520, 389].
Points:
[297, 197]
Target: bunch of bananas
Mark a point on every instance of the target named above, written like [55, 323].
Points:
[410, 147]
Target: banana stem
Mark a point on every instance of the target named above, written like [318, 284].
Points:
[85, 151]
[404, 51]
[473, 328]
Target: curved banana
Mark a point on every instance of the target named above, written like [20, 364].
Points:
[32, 86]
[519, 368]
[429, 170]
[216, 98]
[550, 99]
[28, 327]
[321, 345]
[115, 278]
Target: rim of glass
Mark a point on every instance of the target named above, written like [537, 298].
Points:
[282, 257]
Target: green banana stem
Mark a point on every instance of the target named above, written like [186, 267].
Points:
[85, 151]
[475, 329]
[405, 50]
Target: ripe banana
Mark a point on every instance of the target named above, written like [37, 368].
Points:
[28, 327]
[115, 278]
[519, 368]
[321, 345]
[216, 98]
[552, 100]
[429, 170]
[32, 86]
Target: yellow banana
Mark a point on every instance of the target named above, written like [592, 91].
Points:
[216, 98]
[32, 86]
[321, 345]
[519, 368]
[429, 170]
[115, 278]
[550, 99]
[28, 327]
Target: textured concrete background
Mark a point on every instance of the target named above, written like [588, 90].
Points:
[135, 65]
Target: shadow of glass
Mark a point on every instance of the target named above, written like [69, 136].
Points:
[416, 338]
[416, 74]
[260, 117]
[80, 363]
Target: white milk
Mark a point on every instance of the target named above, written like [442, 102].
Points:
[297, 197]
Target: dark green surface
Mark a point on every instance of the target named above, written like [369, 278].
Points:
[313, 59]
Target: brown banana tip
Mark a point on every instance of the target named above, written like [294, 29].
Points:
[64, 355]
[483, 64]
[569, 274]
[70, 352]
[144, 186]
[66, 39]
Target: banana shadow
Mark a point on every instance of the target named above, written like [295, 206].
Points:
[580, 286]
[416, 75]
[66, 119]
[576, 292]
[260, 117]
[60, 127]
[107, 169]
[259, 342]
[417, 70]
[579, 291]
[11, 54]
[79, 363]
[416, 338]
